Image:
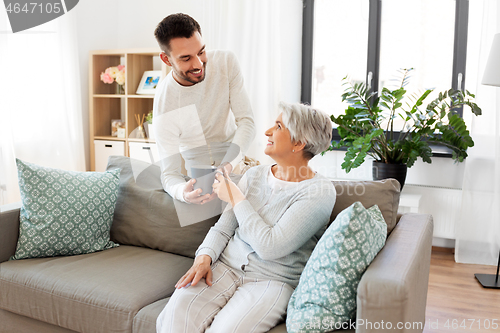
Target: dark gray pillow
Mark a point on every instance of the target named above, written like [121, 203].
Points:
[145, 214]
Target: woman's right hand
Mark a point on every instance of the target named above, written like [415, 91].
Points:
[200, 269]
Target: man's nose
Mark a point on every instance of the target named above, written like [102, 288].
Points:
[198, 63]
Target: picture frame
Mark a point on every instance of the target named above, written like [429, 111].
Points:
[149, 82]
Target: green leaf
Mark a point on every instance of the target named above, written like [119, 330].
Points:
[476, 110]
[420, 100]
[399, 93]
[384, 104]
[470, 94]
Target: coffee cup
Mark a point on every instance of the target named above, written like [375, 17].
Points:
[205, 176]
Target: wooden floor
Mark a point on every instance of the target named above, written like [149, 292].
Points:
[456, 302]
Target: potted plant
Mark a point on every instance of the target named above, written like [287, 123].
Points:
[368, 127]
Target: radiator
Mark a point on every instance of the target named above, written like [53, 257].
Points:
[442, 203]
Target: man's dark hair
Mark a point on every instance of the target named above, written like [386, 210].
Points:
[175, 26]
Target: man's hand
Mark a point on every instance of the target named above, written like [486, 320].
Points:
[200, 269]
[194, 196]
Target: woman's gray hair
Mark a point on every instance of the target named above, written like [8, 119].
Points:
[307, 125]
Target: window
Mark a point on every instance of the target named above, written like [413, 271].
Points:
[338, 50]
[422, 40]
[372, 39]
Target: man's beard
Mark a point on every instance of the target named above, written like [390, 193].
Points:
[184, 75]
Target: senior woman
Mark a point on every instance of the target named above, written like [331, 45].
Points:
[250, 261]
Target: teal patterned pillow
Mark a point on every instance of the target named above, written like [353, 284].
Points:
[64, 212]
[326, 295]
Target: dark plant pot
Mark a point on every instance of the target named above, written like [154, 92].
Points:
[382, 170]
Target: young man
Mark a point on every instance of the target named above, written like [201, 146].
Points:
[201, 109]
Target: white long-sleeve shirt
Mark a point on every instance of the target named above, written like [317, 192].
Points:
[208, 122]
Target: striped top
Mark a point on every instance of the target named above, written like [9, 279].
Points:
[272, 233]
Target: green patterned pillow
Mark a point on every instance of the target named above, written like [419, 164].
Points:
[64, 212]
[326, 295]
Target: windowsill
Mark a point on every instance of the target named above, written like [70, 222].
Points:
[441, 151]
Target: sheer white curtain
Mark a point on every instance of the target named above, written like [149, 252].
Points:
[252, 29]
[40, 102]
[478, 231]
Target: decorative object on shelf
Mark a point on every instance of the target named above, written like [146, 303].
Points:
[121, 132]
[149, 81]
[367, 127]
[139, 131]
[149, 125]
[112, 74]
[491, 77]
[115, 124]
[120, 89]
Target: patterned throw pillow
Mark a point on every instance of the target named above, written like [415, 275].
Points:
[326, 295]
[64, 212]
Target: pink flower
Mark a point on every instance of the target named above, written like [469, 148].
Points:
[112, 73]
[106, 78]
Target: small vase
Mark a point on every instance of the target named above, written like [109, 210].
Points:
[140, 132]
[120, 89]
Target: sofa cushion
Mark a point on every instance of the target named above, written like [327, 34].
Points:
[14, 323]
[383, 193]
[326, 294]
[64, 212]
[146, 215]
[145, 320]
[90, 293]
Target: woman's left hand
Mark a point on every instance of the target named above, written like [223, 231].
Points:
[227, 190]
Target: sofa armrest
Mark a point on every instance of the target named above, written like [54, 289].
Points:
[9, 230]
[393, 290]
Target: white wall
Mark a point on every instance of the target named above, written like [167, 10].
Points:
[113, 24]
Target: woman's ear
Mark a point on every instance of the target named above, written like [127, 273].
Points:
[298, 146]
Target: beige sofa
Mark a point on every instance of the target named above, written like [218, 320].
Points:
[124, 289]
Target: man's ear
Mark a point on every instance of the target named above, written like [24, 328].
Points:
[164, 58]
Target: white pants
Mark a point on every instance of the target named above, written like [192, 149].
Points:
[234, 303]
